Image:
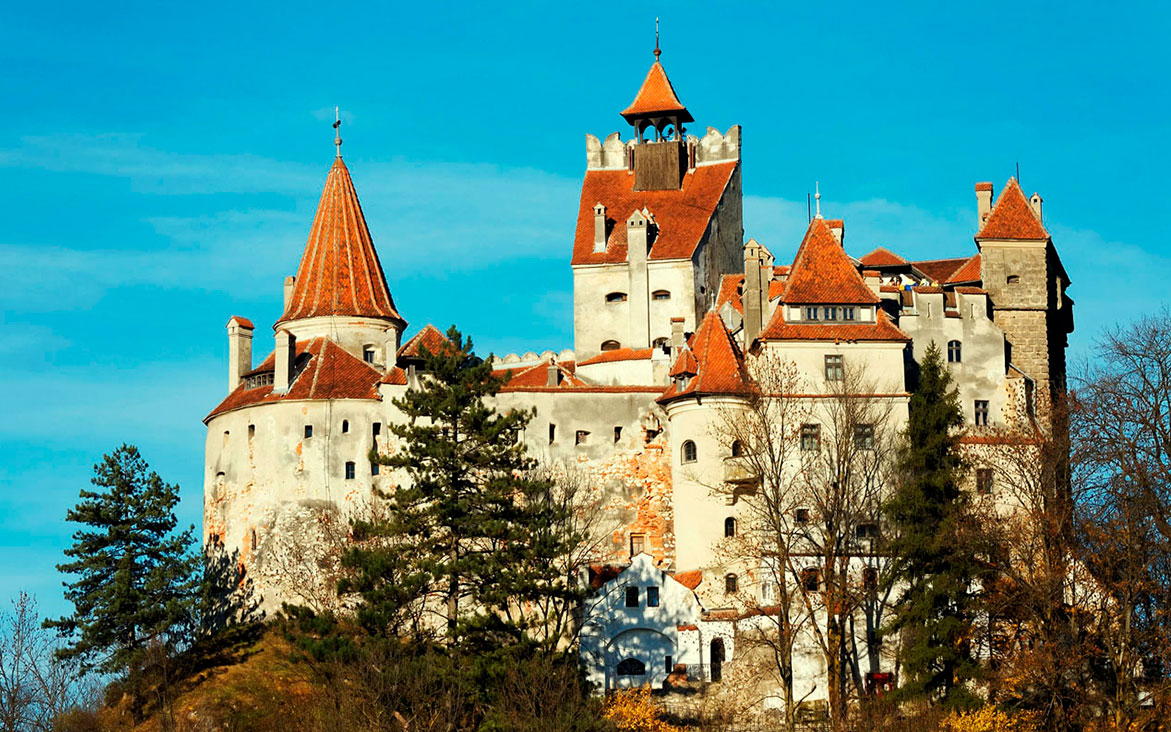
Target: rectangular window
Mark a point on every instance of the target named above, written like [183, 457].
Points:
[864, 436]
[308, 431]
[552, 432]
[617, 434]
[349, 471]
[580, 436]
[810, 437]
[670, 666]
[835, 368]
[830, 313]
[368, 355]
[981, 413]
[631, 597]
[866, 531]
[810, 580]
[652, 597]
[811, 313]
[375, 468]
[802, 516]
[376, 429]
[847, 313]
[984, 481]
[637, 545]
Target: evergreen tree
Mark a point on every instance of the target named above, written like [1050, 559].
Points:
[135, 578]
[471, 526]
[937, 562]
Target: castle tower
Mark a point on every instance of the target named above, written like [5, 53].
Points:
[660, 221]
[1027, 284]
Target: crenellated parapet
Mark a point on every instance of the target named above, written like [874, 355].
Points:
[614, 153]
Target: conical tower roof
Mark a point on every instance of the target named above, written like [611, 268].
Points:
[340, 273]
[656, 96]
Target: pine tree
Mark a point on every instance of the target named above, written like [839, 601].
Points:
[135, 578]
[471, 525]
[937, 563]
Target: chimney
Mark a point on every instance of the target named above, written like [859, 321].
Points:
[239, 350]
[289, 282]
[983, 203]
[750, 293]
[676, 337]
[837, 227]
[286, 352]
[1035, 204]
[390, 349]
[553, 374]
[636, 236]
[599, 228]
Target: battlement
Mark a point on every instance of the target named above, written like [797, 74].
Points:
[614, 153]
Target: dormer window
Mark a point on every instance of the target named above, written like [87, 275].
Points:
[847, 313]
[811, 313]
[616, 297]
[830, 313]
[368, 354]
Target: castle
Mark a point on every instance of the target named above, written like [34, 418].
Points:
[673, 310]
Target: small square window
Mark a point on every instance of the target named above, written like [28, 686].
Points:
[984, 481]
[368, 355]
[866, 531]
[810, 579]
[652, 597]
[637, 545]
[835, 368]
[375, 468]
[580, 437]
[308, 431]
[847, 313]
[810, 437]
[631, 597]
[981, 413]
[830, 313]
[864, 437]
[811, 313]
[802, 516]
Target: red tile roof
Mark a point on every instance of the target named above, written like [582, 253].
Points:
[681, 216]
[340, 273]
[538, 375]
[969, 290]
[331, 373]
[882, 330]
[655, 95]
[619, 354]
[969, 272]
[1012, 217]
[720, 369]
[882, 257]
[428, 337]
[396, 377]
[690, 580]
[242, 322]
[822, 273]
[600, 574]
[685, 364]
[731, 286]
[939, 270]
[984, 186]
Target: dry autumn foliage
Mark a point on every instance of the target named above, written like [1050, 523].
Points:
[633, 710]
[989, 719]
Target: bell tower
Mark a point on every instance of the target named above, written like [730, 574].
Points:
[661, 155]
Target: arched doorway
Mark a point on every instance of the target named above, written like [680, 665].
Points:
[717, 659]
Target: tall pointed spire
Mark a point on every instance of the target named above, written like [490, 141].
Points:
[656, 96]
[340, 273]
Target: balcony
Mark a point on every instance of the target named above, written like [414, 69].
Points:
[739, 471]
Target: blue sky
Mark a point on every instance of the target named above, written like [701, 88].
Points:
[160, 164]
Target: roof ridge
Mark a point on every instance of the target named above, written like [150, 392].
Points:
[1012, 217]
[832, 279]
[656, 94]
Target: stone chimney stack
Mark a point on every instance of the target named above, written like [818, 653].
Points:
[1035, 204]
[983, 203]
[239, 350]
[390, 349]
[676, 337]
[637, 246]
[552, 374]
[290, 281]
[286, 353]
[751, 292]
[599, 228]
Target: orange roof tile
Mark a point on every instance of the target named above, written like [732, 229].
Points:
[690, 580]
[882, 330]
[969, 272]
[939, 270]
[395, 377]
[732, 285]
[428, 337]
[822, 273]
[242, 322]
[656, 95]
[619, 354]
[331, 373]
[1012, 217]
[882, 257]
[984, 186]
[719, 367]
[538, 375]
[340, 273]
[969, 290]
[685, 364]
[681, 216]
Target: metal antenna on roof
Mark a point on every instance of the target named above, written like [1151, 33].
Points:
[1018, 173]
[337, 126]
[657, 51]
[808, 207]
[817, 198]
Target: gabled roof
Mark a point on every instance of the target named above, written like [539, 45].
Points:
[968, 272]
[685, 364]
[429, 337]
[331, 373]
[656, 95]
[883, 329]
[619, 354]
[1012, 217]
[538, 375]
[823, 273]
[719, 366]
[681, 216]
[690, 580]
[732, 287]
[340, 273]
[882, 257]
[939, 270]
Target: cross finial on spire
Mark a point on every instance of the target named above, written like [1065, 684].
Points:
[817, 198]
[337, 126]
[657, 51]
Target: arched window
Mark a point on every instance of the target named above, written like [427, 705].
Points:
[954, 352]
[689, 452]
[368, 354]
[631, 667]
[611, 345]
[616, 297]
[729, 526]
[730, 584]
[737, 449]
[661, 295]
[660, 343]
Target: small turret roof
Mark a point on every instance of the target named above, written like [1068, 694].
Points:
[1012, 217]
[656, 96]
[823, 273]
[718, 366]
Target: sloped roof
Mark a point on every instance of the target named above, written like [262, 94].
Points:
[968, 272]
[339, 272]
[882, 257]
[778, 329]
[823, 273]
[681, 216]
[1012, 217]
[428, 337]
[619, 354]
[732, 285]
[538, 375]
[940, 270]
[685, 364]
[690, 580]
[331, 373]
[656, 95]
[719, 366]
